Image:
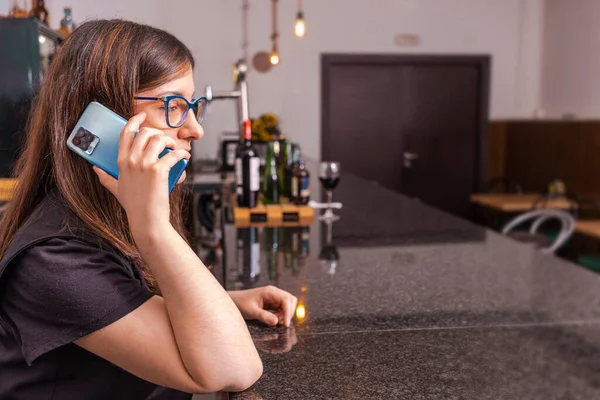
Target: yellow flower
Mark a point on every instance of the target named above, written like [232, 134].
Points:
[258, 126]
[270, 119]
[264, 136]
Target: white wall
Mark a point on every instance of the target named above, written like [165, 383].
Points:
[528, 71]
[509, 30]
[571, 59]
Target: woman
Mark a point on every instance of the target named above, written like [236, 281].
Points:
[101, 297]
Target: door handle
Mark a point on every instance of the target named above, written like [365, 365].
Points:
[409, 158]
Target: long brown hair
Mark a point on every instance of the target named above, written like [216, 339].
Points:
[108, 61]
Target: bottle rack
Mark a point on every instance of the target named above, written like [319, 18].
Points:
[283, 214]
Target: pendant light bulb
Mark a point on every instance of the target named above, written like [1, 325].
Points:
[274, 57]
[299, 27]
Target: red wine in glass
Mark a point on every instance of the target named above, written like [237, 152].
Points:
[330, 183]
[329, 175]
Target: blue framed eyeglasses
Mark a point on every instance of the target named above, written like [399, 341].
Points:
[177, 109]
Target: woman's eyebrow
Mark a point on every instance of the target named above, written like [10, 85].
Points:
[170, 93]
[174, 93]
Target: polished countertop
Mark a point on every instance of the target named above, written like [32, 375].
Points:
[419, 304]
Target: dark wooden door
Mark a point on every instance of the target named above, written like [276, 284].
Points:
[364, 114]
[440, 133]
[415, 124]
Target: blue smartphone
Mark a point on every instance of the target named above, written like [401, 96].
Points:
[96, 138]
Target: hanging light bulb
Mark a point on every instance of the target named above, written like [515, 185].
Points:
[274, 58]
[299, 28]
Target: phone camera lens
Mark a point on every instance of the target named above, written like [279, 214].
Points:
[88, 138]
[84, 146]
[76, 141]
[80, 132]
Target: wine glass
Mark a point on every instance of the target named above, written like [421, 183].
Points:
[329, 175]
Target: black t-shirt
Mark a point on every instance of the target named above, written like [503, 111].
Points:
[59, 283]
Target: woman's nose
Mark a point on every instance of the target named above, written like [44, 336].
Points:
[191, 129]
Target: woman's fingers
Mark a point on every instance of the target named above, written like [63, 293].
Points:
[138, 147]
[172, 158]
[128, 133]
[294, 304]
[289, 308]
[155, 146]
[280, 317]
[267, 317]
[146, 146]
[284, 302]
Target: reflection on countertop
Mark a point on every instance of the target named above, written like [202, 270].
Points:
[400, 300]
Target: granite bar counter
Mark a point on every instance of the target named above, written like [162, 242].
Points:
[400, 300]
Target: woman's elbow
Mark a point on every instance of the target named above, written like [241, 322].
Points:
[232, 379]
[247, 378]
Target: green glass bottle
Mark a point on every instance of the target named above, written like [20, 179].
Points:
[294, 161]
[286, 163]
[271, 178]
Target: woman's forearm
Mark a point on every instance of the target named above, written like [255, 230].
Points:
[211, 334]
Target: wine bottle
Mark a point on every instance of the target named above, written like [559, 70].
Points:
[295, 159]
[66, 24]
[247, 164]
[271, 178]
[286, 163]
[300, 184]
[39, 11]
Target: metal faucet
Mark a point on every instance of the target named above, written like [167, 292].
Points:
[239, 93]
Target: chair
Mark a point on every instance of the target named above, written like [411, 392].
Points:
[575, 209]
[539, 217]
[576, 203]
[498, 184]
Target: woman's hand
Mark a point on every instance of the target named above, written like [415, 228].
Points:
[142, 187]
[267, 304]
